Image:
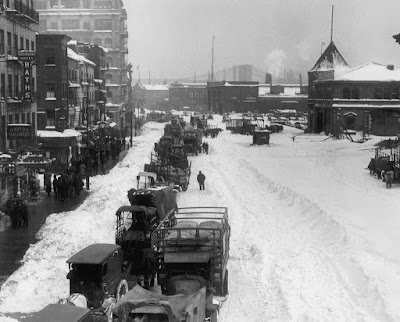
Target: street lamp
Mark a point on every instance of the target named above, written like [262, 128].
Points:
[132, 114]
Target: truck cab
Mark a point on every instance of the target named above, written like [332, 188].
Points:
[96, 272]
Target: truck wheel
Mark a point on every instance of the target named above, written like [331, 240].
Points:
[225, 290]
[122, 289]
[185, 187]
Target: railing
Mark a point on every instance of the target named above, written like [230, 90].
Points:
[26, 10]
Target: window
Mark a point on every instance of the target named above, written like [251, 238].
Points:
[2, 42]
[15, 45]
[108, 42]
[3, 85]
[21, 43]
[16, 86]
[32, 45]
[23, 118]
[378, 93]
[28, 118]
[50, 116]
[50, 57]
[27, 44]
[10, 119]
[355, 93]
[387, 93]
[395, 93]
[70, 24]
[103, 24]
[16, 118]
[10, 87]
[191, 95]
[71, 4]
[346, 93]
[9, 42]
[50, 90]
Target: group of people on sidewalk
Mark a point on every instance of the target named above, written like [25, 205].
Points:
[17, 210]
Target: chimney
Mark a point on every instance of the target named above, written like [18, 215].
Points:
[390, 67]
[301, 82]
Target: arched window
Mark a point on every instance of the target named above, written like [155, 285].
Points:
[346, 93]
[355, 93]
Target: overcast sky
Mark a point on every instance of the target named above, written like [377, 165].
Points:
[173, 38]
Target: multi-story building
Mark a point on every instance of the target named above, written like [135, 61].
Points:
[364, 98]
[98, 22]
[193, 95]
[52, 70]
[18, 26]
[152, 97]
[232, 96]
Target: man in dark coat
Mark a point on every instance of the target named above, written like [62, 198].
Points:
[200, 179]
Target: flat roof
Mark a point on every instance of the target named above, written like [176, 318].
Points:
[93, 254]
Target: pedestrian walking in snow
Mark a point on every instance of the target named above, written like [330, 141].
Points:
[206, 147]
[200, 179]
[388, 176]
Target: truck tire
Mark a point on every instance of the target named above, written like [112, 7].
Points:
[225, 289]
[122, 289]
[184, 187]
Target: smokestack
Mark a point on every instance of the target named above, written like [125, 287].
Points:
[301, 84]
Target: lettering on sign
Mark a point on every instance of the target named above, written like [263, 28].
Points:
[22, 132]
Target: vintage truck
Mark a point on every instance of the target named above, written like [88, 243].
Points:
[189, 302]
[194, 241]
[96, 272]
[135, 224]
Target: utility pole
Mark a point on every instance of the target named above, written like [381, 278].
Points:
[332, 25]
[86, 107]
[212, 59]
[130, 99]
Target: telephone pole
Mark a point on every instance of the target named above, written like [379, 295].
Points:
[130, 99]
[212, 59]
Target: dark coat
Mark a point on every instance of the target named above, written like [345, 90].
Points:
[201, 178]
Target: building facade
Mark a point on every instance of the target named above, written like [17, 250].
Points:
[52, 70]
[192, 95]
[19, 23]
[364, 98]
[224, 97]
[151, 97]
[97, 22]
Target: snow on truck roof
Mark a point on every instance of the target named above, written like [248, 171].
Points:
[93, 254]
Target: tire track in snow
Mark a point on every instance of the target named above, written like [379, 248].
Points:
[298, 264]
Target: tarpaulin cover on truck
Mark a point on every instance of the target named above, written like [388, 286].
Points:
[176, 307]
[163, 200]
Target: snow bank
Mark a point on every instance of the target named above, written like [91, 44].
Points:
[41, 279]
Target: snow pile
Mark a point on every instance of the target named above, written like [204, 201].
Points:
[313, 235]
[42, 278]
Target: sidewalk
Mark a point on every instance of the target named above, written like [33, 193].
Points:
[15, 242]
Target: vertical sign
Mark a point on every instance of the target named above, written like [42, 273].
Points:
[27, 58]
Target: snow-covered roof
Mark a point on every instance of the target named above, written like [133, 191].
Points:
[154, 87]
[330, 59]
[73, 55]
[56, 134]
[370, 72]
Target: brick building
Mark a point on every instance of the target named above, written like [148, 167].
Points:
[18, 26]
[229, 96]
[364, 98]
[97, 22]
[193, 95]
[152, 97]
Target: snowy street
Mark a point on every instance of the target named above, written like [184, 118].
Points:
[313, 235]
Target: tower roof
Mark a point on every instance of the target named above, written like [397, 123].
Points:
[330, 59]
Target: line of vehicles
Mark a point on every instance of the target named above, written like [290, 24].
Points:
[167, 263]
